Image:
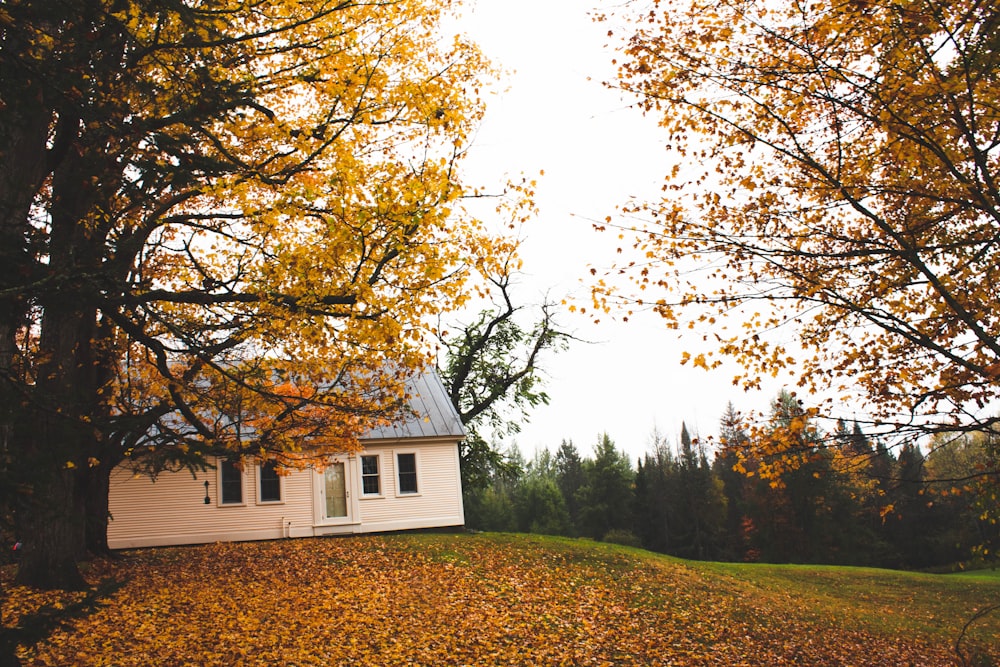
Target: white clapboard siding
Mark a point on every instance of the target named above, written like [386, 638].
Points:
[438, 501]
[172, 509]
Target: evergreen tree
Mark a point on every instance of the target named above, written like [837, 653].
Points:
[679, 501]
[881, 471]
[859, 497]
[858, 442]
[570, 478]
[653, 504]
[490, 509]
[700, 504]
[923, 527]
[642, 507]
[841, 436]
[908, 520]
[689, 458]
[480, 463]
[542, 465]
[794, 512]
[733, 438]
[606, 495]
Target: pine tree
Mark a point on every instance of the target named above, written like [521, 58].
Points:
[654, 504]
[858, 442]
[606, 495]
[569, 478]
[733, 437]
[700, 503]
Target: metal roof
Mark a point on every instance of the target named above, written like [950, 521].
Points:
[433, 415]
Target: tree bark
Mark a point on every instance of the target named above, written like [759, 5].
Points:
[50, 452]
[50, 518]
[97, 490]
[59, 435]
[49, 555]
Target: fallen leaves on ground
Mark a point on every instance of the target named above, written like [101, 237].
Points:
[455, 600]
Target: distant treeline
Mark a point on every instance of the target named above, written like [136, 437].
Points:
[837, 498]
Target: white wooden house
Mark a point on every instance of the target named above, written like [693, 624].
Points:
[406, 477]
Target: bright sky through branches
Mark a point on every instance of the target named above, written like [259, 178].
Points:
[597, 151]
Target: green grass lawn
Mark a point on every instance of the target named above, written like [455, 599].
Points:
[488, 599]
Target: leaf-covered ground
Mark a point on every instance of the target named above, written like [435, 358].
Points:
[499, 600]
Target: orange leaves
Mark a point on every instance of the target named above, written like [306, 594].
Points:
[251, 183]
[471, 600]
[698, 361]
[278, 181]
[839, 182]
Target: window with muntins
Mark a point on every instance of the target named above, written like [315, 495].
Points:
[270, 483]
[371, 484]
[230, 482]
[406, 470]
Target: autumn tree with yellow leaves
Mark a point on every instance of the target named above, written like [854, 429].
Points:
[834, 208]
[223, 224]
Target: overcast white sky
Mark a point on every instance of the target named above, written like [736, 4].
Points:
[596, 152]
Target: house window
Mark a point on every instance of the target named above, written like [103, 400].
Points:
[406, 471]
[269, 482]
[230, 482]
[371, 483]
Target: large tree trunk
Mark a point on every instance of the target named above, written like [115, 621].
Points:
[97, 490]
[24, 127]
[51, 527]
[60, 434]
[64, 514]
[58, 438]
[49, 516]
[52, 448]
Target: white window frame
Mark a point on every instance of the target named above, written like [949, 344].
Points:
[380, 476]
[416, 464]
[281, 486]
[220, 460]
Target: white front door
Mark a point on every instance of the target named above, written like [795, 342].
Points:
[336, 492]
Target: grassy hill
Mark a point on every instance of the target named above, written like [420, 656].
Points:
[421, 599]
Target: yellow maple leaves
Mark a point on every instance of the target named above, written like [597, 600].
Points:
[840, 173]
[297, 208]
[478, 600]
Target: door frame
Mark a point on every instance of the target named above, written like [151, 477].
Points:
[352, 487]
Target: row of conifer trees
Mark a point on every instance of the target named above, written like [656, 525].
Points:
[846, 500]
